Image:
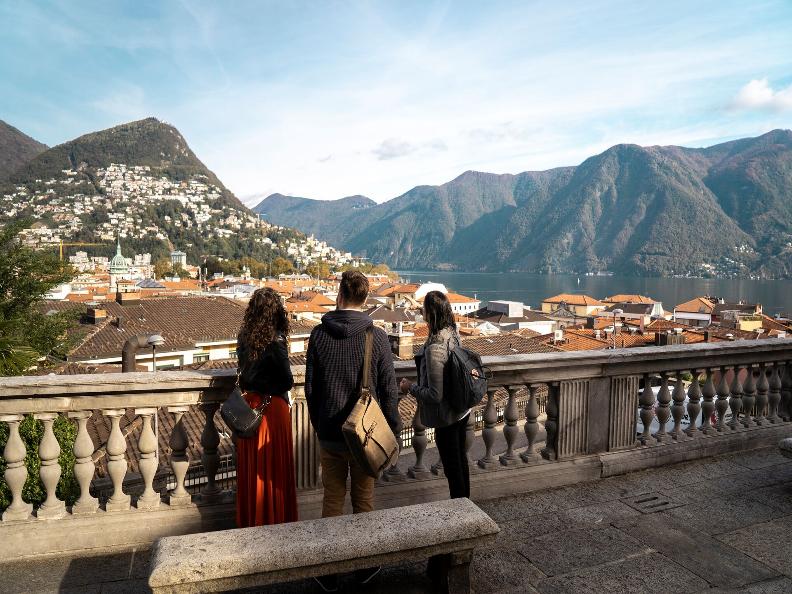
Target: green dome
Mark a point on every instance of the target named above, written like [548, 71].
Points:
[118, 264]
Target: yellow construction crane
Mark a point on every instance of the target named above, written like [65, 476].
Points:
[77, 243]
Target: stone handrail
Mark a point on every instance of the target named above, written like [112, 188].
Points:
[593, 402]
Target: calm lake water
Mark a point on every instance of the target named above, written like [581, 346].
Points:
[775, 296]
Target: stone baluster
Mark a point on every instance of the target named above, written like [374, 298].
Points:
[50, 471]
[708, 405]
[774, 394]
[394, 473]
[84, 467]
[180, 460]
[722, 404]
[531, 424]
[678, 407]
[418, 471]
[210, 440]
[663, 407]
[510, 431]
[646, 401]
[551, 424]
[762, 389]
[149, 462]
[470, 436]
[694, 403]
[117, 464]
[489, 461]
[749, 394]
[437, 467]
[737, 402]
[15, 472]
[786, 392]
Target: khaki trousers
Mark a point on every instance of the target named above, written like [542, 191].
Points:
[336, 466]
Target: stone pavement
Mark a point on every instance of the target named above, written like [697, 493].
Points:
[721, 524]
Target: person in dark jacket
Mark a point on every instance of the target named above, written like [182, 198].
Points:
[449, 424]
[333, 374]
[266, 489]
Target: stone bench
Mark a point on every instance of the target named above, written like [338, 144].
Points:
[785, 447]
[249, 557]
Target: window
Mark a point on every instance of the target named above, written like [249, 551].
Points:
[200, 357]
[232, 354]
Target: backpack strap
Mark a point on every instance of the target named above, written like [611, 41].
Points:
[364, 383]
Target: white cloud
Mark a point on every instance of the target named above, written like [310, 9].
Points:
[758, 94]
[393, 148]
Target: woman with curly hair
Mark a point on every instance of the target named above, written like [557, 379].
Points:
[266, 492]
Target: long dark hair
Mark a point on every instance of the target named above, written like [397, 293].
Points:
[437, 312]
[265, 319]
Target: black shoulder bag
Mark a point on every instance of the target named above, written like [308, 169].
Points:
[240, 417]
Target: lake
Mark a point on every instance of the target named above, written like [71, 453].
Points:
[774, 295]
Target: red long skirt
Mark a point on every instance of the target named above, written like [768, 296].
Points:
[266, 492]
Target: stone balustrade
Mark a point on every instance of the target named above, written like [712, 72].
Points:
[606, 412]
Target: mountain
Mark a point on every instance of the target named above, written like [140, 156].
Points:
[142, 182]
[16, 149]
[310, 213]
[660, 210]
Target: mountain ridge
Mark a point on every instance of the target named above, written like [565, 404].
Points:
[723, 210]
[16, 149]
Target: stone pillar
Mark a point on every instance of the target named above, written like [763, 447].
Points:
[774, 395]
[15, 472]
[762, 388]
[646, 401]
[117, 464]
[708, 406]
[489, 461]
[551, 424]
[418, 471]
[786, 392]
[147, 444]
[180, 461]
[394, 473]
[678, 407]
[84, 467]
[510, 430]
[663, 409]
[210, 440]
[694, 406]
[748, 393]
[722, 404]
[470, 436]
[50, 471]
[531, 425]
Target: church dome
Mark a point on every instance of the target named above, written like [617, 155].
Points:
[118, 264]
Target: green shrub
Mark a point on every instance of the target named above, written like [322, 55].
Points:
[31, 431]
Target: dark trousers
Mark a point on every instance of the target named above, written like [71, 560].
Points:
[451, 445]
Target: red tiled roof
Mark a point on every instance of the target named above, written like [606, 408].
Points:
[571, 299]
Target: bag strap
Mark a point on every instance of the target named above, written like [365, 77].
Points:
[364, 382]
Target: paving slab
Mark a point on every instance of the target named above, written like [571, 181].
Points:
[60, 572]
[498, 570]
[572, 550]
[722, 514]
[598, 515]
[708, 558]
[585, 494]
[645, 573]
[760, 458]
[521, 530]
[778, 497]
[769, 543]
[780, 585]
[515, 507]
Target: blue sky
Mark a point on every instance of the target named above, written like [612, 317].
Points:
[328, 99]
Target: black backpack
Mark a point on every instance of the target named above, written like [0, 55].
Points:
[462, 387]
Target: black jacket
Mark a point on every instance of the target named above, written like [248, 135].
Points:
[270, 373]
[334, 368]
